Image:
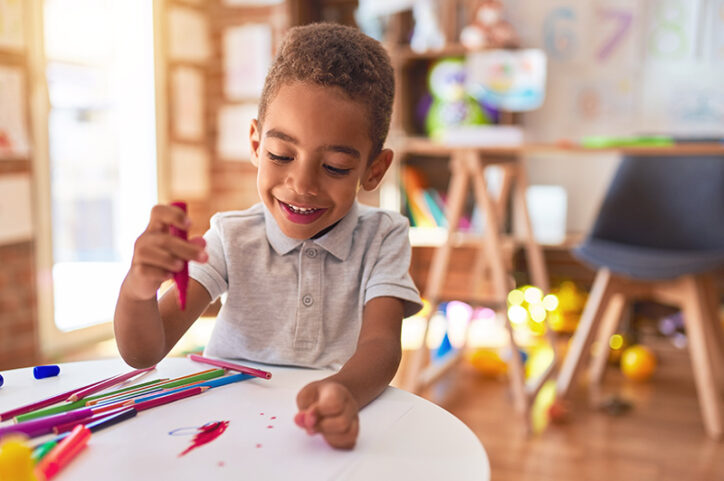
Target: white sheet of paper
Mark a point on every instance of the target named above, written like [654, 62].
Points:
[13, 127]
[189, 172]
[233, 131]
[142, 448]
[188, 35]
[187, 88]
[16, 220]
[11, 24]
[247, 57]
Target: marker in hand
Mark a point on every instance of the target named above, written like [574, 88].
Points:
[181, 278]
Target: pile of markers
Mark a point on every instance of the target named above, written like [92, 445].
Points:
[72, 416]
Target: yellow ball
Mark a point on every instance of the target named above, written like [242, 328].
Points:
[638, 363]
[488, 362]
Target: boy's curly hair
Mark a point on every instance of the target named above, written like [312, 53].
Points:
[336, 55]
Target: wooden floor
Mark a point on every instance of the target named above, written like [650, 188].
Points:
[661, 438]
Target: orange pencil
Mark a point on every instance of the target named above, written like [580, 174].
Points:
[63, 453]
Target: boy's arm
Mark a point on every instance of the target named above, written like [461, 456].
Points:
[330, 406]
[147, 329]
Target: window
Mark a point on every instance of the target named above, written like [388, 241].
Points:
[102, 148]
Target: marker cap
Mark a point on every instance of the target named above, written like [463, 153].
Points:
[1, 380]
[40, 372]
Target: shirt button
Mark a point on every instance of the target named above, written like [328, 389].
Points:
[312, 253]
[307, 300]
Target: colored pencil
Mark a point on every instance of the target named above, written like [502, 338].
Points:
[63, 453]
[222, 381]
[38, 427]
[39, 413]
[152, 403]
[83, 393]
[180, 381]
[230, 365]
[44, 402]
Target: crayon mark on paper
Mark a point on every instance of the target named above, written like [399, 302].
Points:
[203, 434]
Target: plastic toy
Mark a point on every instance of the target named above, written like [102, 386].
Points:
[451, 105]
[638, 363]
[488, 29]
[15, 460]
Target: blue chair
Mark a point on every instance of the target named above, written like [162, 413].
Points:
[659, 235]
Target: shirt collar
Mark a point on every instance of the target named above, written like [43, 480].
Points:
[337, 241]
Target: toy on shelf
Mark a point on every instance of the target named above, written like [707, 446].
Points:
[451, 105]
[488, 29]
[427, 34]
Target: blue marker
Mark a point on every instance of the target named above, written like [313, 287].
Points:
[40, 372]
[1, 380]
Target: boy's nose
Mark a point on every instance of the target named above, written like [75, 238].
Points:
[303, 180]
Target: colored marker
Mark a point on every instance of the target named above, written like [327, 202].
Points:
[41, 372]
[181, 278]
[63, 453]
[2, 381]
[38, 427]
[231, 366]
[97, 422]
[41, 451]
[107, 383]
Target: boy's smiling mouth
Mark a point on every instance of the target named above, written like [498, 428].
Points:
[301, 215]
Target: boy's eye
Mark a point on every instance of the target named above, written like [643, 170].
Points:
[336, 170]
[278, 158]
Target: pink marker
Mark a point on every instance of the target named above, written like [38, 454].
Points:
[181, 278]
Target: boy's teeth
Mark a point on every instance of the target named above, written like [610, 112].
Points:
[301, 210]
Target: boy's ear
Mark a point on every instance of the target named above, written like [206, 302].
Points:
[376, 170]
[255, 141]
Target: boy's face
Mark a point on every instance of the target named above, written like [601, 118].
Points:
[312, 157]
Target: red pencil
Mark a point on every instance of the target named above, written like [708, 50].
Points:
[181, 278]
[160, 401]
[231, 366]
[63, 453]
[106, 384]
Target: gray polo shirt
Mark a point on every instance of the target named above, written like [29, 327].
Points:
[300, 302]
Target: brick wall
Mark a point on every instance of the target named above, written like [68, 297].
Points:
[18, 316]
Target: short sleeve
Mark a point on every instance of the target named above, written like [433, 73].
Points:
[212, 274]
[390, 274]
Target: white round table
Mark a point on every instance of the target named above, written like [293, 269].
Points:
[402, 436]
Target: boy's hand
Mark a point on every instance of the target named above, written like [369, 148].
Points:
[157, 254]
[327, 407]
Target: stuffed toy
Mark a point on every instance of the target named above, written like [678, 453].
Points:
[488, 29]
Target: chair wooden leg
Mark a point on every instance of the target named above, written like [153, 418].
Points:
[608, 328]
[696, 315]
[533, 250]
[715, 332]
[577, 352]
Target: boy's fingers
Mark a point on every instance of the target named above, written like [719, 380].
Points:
[164, 215]
[154, 256]
[337, 424]
[331, 400]
[346, 440]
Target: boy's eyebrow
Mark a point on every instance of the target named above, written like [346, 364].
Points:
[344, 149]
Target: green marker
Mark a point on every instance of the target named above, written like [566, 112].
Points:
[40, 452]
[604, 141]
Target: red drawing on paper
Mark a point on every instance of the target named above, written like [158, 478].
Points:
[206, 434]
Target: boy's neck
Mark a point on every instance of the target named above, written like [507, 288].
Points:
[324, 231]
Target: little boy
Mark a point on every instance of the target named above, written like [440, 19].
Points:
[312, 278]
